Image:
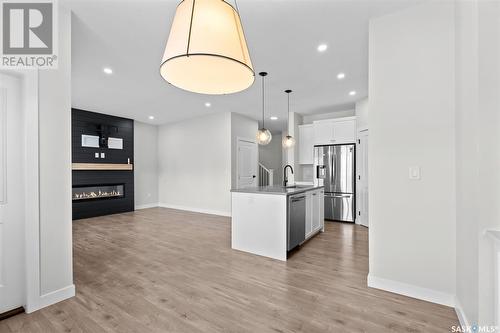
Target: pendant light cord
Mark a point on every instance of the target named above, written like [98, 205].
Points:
[263, 97]
[288, 91]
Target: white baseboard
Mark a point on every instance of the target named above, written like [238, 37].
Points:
[196, 210]
[405, 289]
[462, 318]
[146, 206]
[52, 298]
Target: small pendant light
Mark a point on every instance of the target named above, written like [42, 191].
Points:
[288, 141]
[264, 136]
[206, 51]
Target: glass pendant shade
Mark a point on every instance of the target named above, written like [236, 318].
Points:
[206, 50]
[264, 136]
[288, 141]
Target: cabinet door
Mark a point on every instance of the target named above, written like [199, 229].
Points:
[323, 133]
[309, 213]
[306, 144]
[316, 213]
[344, 131]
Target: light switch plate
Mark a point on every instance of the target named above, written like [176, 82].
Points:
[414, 173]
[103, 155]
[96, 155]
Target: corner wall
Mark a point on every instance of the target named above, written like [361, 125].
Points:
[145, 165]
[56, 262]
[195, 164]
[467, 168]
[411, 89]
[361, 114]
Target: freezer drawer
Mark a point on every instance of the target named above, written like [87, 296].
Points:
[339, 207]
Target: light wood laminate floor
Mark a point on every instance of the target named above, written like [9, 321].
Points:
[162, 270]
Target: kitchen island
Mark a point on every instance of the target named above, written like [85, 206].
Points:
[272, 220]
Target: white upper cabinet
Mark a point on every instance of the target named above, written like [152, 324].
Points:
[323, 132]
[344, 131]
[306, 144]
[335, 131]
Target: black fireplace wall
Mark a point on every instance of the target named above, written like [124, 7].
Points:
[91, 123]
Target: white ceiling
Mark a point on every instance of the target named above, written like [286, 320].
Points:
[282, 35]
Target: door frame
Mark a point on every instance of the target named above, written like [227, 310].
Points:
[247, 140]
[360, 131]
[30, 100]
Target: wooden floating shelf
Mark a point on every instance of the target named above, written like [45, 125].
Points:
[102, 166]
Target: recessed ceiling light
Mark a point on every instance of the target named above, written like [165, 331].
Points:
[352, 93]
[208, 104]
[273, 118]
[107, 70]
[322, 47]
[340, 76]
[151, 117]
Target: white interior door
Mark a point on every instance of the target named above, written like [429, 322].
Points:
[12, 254]
[247, 163]
[362, 181]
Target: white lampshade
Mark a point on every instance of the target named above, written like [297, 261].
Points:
[206, 51]
[264, 136]
[288, 142]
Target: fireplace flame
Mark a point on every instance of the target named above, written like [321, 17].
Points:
[96, 194]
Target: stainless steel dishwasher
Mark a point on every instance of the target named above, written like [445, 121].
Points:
[296, 220]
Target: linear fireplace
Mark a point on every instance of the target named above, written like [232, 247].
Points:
[98, 192]
[103, 173]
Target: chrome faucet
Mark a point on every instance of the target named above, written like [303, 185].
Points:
[285, 177]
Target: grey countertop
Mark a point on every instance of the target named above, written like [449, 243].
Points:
[278, 190]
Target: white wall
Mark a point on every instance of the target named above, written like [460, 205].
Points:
[308, 119]
[241, 127]
[271, 156]
[478, 155]
[467, 168]
[56, 265]
[195, 164]
[361, 114]
[145, 165]
[411, 89]
[291, 155]
[488, 149]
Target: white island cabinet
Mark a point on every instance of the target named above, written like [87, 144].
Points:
[272, 220]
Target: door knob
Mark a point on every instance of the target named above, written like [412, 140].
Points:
[254, 176]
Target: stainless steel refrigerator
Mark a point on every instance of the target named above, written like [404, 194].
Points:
[334, 168]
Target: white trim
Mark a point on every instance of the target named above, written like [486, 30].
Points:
[195, 210]
[494, 235]
[3, 149]
[52, 298]
[32, 194]
[146, 206]
[462, 318]
[410, 290]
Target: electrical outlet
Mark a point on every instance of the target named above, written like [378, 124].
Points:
[96, 155]
[103, 155]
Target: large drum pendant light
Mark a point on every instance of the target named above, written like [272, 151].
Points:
[264, 136]
[288, 141]
[206, 50]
